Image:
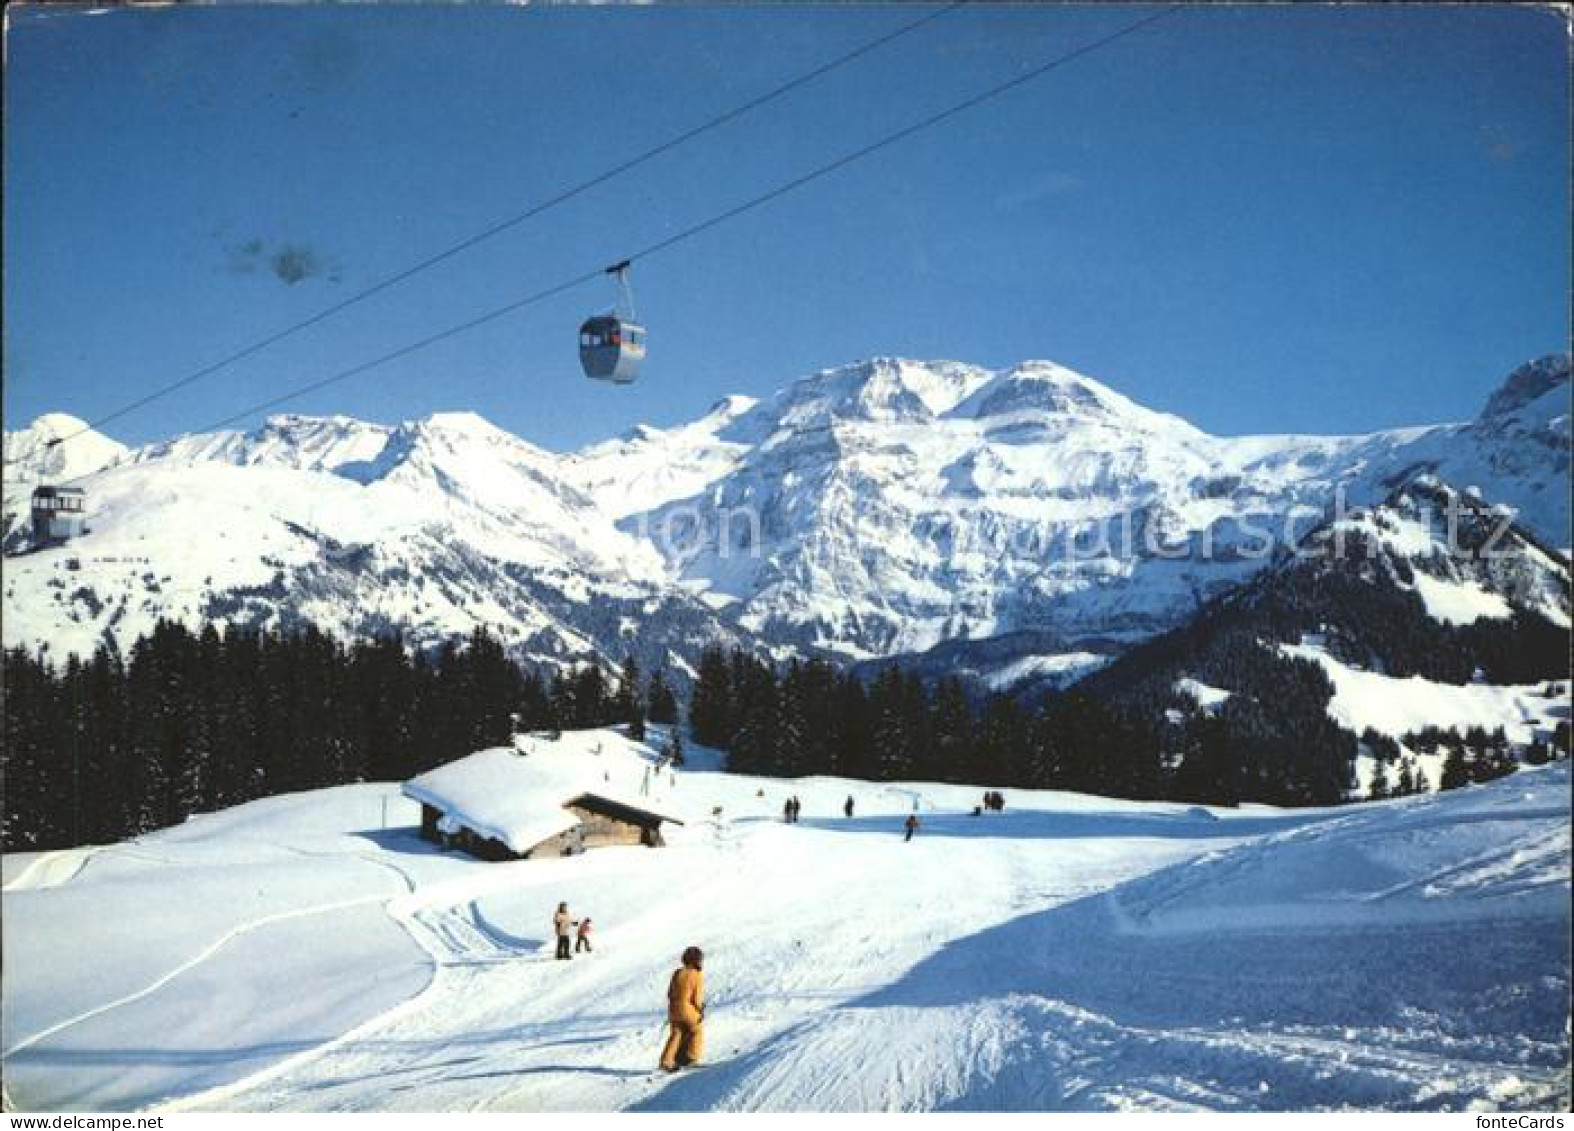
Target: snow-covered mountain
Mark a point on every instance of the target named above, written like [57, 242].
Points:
[1429, 610]
[874, 510]
[431, 529]
[40, 452]
[886, 507]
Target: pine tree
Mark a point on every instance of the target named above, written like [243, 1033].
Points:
[848, 743]
[31, 819]
[662, 703]
[950, 749]
[790, 739]
[711, 708]
[1378, 789]
[628, 707]
[565, 707]
[754, 743]
[1456, 771]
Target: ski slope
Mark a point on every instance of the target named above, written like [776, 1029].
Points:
[309, 952]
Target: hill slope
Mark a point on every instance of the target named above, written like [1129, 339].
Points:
[1431, 610]
[1072, 953]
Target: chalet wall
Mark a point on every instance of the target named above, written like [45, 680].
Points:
[595, 830]
[600, 830]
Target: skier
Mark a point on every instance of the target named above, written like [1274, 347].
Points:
[797, 807]
[582, 939]
[848, 808]
[563, 924]
[686, 1013]
[787, 811]
[911, 826]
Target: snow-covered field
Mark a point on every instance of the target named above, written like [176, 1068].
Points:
[310, 952]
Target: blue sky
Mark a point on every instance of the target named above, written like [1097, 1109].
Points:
[1287, 218]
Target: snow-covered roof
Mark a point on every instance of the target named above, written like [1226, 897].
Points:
[517, 794]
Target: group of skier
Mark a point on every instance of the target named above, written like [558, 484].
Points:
[565, 926]
[685, 991]
[686, 988]
[994, 801]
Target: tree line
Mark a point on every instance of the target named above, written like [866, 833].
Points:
[808, 718]
[101, 749]
[106, 748]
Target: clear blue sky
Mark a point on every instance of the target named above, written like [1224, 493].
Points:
[1287, 218]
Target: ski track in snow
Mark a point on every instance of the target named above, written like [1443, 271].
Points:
[1071, 954]
[51, 869]
[187, 966]
[49, 875]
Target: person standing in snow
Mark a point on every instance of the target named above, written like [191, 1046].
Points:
[582, 940]
[797, 807]
[848, 808]
[563, 924]
[686, 1013]
[787, 811]
[912, 827]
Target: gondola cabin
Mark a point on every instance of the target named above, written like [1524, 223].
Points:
[611, 348]
[58, 513]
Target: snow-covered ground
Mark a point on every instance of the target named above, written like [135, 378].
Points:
[310, 952]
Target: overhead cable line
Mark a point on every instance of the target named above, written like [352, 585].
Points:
[705, 225]
[501, 226]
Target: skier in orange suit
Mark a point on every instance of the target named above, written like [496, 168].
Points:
[686, 1013]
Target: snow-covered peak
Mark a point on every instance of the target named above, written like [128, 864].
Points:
[54, 425]
[648, 467]
[882, 389]
[461, 454]
[1045, 390]
[300, 443]
[1461, 555]
[728, 409]
[1530, 384]
[57, 445]
[468, 426]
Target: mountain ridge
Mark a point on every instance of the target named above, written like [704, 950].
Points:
[869, 510]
